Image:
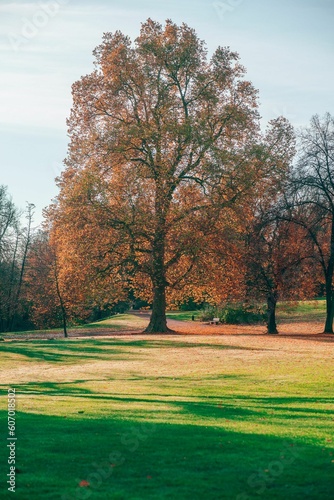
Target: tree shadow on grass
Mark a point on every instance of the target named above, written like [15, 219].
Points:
[217, 407]
[130, 459]
[74, 352]
[52, 388]
[60, 352]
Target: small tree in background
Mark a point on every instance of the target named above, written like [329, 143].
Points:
[42, 287]
[280, 257]
[14, 246]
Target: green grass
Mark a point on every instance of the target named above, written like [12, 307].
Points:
[307, 310]
[119, 322]
[235, 417]
[183, 315]
[287, 311]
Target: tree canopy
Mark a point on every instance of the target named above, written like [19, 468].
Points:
[162, 140]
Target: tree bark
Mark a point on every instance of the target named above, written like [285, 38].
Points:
[60, 298]
[64, 321]
[271, 303]
[329, 306]
[9, 317]
[158, 321]
[329, 286]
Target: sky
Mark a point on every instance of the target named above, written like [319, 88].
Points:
[286, 46]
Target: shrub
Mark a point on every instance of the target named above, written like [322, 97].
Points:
[235, 314]
[207, 314]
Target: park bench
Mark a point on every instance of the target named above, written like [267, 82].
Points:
[215, 321]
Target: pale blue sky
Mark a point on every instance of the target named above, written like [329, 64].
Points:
[287, 47]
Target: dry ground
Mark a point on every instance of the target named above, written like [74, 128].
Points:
[306, 330]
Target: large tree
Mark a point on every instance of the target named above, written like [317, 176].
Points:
[311, 200]
[161, 142]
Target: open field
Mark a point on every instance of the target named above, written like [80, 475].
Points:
[235, 416]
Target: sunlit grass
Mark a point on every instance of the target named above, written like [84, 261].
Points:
[307, 310]
[186, 417]
[183, 315]
[120, 322]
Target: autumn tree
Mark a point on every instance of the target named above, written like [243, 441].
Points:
[311, 199]
[275, 251]
[42, 287]
[234, 255]
[279, 257]
[161, 143]
[59, 295]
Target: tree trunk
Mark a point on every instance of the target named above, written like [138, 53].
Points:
[158, 321]
[64, 322]
[329, 287]
[9, 317]
[271, 303]
[60, 298]
[329, 306]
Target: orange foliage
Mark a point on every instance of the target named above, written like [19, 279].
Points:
[164, 156]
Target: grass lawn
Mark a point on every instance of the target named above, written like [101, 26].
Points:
[306, 310]
[119, 322]
[183, 315]
[186, 417]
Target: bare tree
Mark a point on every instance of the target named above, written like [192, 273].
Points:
[14, 245]
[25, 237]
[9, 244]
[313, 190]
[8, 217]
